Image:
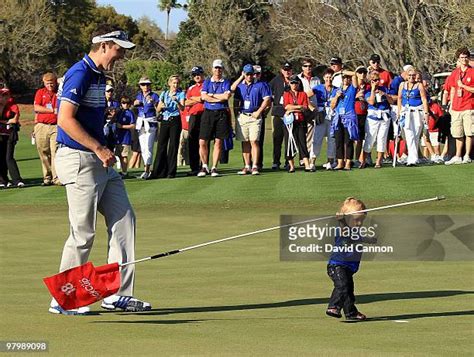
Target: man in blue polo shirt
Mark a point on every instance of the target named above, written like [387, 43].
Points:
[215, 121]
[250, 101]
[84, 166]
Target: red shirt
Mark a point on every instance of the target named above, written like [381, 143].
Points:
[9, 111]
[195, 91]
[47, 99]
[466, 100]
[360, 104]
[385, 77]
[449, 83]
[436, 109]
[184, 115]
[301, 98]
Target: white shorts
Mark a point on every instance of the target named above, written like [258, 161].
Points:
[433, 139]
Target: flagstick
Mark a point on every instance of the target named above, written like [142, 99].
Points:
[176, 251]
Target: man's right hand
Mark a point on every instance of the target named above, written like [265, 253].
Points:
[106, 156]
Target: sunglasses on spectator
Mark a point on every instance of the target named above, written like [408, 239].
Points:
[308, 65]
[294, 82]
[125, 102]
[376, 80]
[145, 84]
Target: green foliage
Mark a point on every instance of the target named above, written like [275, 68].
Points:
[157, 71]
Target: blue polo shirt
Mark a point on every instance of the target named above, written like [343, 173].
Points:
[395, 84]
[148, 109]
[347, 259]
[112, 104]
[383, 105]
[124, 136]
[171, 106]
[346, 104]
[251, 95]
[322, 95]
[220, 87]
[84, 86]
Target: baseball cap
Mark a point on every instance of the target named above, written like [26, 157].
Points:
[119, 37]
[335, 60]
[248, 69]
[217, 63]
[286, 65]
[408, 67]
[108, 87]
[361, 69]
[294, 78]
[197, 70]
[144, 80]
[375, 58]
[257, 68]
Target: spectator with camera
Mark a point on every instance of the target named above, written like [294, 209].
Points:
[344, 126]
[378, 120]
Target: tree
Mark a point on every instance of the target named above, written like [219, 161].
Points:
[425, 33]
[28, 38]
[146, 24]
[168, 5]
[235, 31]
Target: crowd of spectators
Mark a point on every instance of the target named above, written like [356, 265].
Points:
[355, 111]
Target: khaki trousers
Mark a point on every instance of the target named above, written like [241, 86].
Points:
[90, 188]
[45, 136]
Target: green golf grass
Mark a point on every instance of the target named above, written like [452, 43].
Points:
[237, 298]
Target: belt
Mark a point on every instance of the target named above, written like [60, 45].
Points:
[61, 145]
[47, 123]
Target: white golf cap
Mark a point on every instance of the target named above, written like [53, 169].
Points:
[407, 67]
[108, 87]
[257, 68]
[217, 63]
[119, 37]
[144, 80]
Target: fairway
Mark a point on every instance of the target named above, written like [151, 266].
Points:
[237, 298]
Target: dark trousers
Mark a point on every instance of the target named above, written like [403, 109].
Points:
[193, 141]
[167, 152]
[299, 133]
[7, 159]
[342, 296]
[278, 136]
[344, 146]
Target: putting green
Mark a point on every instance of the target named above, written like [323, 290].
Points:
[237, 298]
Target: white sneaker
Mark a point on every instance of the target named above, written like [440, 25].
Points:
[145, 175]
[455, 160]
[466, 159]
[54, 308]
[204, 171]
[403, 159]
[20, 184]
[125, 303]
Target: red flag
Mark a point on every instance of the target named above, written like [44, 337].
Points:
[83, 285]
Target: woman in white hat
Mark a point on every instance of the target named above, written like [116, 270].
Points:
[147, 123]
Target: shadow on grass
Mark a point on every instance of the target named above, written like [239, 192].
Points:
[361, 299]
[419, 316]
[154, 322]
